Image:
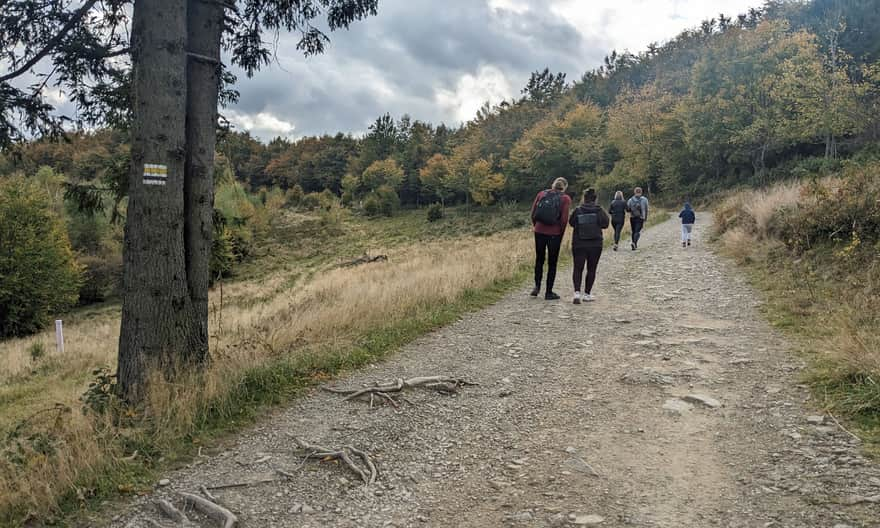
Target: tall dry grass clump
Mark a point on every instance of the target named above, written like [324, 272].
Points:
[816, 246]
[294, 327]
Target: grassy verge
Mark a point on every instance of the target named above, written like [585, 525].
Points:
[274, 333]
[820, 277]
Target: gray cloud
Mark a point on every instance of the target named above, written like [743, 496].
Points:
[404, 59]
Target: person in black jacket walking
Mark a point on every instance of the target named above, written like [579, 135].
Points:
[588, 221]
[617, 210]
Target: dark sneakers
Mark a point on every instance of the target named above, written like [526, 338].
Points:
[550, 296]
[536, 291]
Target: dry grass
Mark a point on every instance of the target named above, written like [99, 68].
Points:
[825, 292]
[294, 317]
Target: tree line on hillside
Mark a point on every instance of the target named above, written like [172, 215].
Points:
[789, 88]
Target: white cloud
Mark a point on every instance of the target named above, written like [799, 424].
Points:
[517, 6]
[488, 84]
[262, 124]
[633, 24]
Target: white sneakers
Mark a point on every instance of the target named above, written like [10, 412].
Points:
[585, 298]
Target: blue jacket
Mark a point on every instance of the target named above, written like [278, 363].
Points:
[687, 215]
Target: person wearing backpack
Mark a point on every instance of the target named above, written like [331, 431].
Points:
[638, 214]
[588, 221]
[549, 215]
[688, 218]
[617, 211]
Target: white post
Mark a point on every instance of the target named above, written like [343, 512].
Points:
[59, 337]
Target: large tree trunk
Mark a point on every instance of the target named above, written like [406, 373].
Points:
[204, 27]
[159, 326]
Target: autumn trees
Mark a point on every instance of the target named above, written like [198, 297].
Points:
[164, 86]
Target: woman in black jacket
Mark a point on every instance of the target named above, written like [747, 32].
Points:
[618, 216]
[588, 221]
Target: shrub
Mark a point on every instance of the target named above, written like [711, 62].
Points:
[294, 195]
[372, 205]
[39, 276]
[102, 277]
[435, 212]
[311, 201]
[388, 200]
[37, 351]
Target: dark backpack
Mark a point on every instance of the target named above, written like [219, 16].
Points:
[588, 226]
[549, 208]
[636, 210]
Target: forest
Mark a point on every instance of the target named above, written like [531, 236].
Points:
[789, 89]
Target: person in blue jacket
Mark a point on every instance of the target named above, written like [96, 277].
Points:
[688, 218]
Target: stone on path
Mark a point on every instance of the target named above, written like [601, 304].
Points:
[587, 520]
[677, 406]
[816, 420]
[702, 399]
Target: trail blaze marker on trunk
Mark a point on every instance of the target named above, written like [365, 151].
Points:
[155, 174]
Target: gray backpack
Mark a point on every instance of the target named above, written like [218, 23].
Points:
[636, 210]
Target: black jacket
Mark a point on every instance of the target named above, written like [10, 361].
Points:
[601, 216]
[618, 211]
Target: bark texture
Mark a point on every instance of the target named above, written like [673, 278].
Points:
[204, 28]
[159, 326]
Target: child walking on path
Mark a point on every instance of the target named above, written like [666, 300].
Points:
[688, 218]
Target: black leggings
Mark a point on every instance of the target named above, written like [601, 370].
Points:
[590, 257]
[617, 229]
[636, 225]
[549, 244]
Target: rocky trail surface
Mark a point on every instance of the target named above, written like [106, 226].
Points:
[668, 402]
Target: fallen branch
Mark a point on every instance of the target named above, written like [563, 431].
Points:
[211, 509]
[168, 510]
[365, 259]
[239, 484]
[316, 452]
[442, 384]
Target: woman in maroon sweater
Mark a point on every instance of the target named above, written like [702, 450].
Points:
[548, 232]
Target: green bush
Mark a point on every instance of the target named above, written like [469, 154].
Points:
[844, 210]
[294, 195]
[102, 277]
[311, 201]
[39, 276]
[372, 205]
[435, 212]
[388, 200]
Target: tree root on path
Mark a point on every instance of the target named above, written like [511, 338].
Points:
[211, 509]
[441, 384]
[345, 455]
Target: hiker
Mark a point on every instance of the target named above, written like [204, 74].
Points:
[588, 221]
[549, 214]
[617, 210]
[638, 214]
[688, 218]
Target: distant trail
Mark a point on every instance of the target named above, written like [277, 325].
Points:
[579, 418]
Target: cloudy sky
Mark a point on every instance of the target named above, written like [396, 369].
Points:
[441, 63]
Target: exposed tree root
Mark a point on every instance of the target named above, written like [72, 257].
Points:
[168, 510]
[344, 455]
[211, 509]
[441, 384]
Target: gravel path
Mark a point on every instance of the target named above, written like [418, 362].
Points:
[584, 415]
